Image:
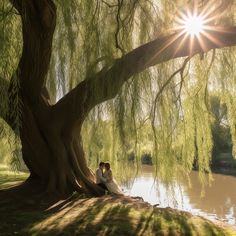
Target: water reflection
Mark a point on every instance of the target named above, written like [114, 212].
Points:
[219, 201]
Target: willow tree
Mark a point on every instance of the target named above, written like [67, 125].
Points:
[100, 57]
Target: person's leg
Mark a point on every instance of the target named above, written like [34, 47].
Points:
[102, 185]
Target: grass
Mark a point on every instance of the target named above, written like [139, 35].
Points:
[108, 215]
[9, 178]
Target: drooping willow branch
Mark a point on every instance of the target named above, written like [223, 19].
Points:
[4, 85]
[179, 71]
[106, 84]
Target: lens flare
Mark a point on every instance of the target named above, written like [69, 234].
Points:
[193, 25]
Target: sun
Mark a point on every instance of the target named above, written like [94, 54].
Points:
[193, 28]
[193, 25]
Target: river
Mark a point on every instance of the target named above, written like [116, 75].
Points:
[218, 202]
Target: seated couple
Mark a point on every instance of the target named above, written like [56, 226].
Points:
[105, 179]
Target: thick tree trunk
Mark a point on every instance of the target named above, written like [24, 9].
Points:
[53, 152]
[51, 145]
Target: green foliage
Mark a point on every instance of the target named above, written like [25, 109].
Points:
[4, 150]
[10, 51]
[220, 128]
[10, 148]
[174, 126]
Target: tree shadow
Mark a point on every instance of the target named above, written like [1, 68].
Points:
[107, 215]
[100, 218]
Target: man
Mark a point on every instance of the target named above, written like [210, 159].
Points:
[100, 180]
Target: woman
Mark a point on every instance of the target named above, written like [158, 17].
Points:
[111, 184]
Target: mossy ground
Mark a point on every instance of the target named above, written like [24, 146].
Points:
[108, 215]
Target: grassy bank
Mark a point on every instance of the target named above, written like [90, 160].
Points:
[9, 178]
[108, 215]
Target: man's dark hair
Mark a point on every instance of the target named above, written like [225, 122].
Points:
[101, 163]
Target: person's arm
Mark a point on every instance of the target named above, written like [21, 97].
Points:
[109, 176]
[101, 177]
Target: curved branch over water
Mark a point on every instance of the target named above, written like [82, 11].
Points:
[106, 84]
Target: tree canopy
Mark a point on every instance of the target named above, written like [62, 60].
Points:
[163, 108]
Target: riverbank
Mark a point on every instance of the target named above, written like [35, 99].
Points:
[223, 163]
[108, 215]
[224, 171]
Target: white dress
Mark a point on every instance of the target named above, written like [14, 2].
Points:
[111, 184]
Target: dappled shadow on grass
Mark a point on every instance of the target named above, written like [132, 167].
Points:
[108, 215]
[93, 216]
[101, 216]
[111, 216]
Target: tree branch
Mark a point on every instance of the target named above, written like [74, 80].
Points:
[106, 84]
[4, 85]
[16, 4]
[38, 24]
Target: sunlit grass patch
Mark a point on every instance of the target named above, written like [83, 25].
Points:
[106, 216]
[10, 178]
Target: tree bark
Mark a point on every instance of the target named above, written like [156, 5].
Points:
[51, 146]
[50, 135]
